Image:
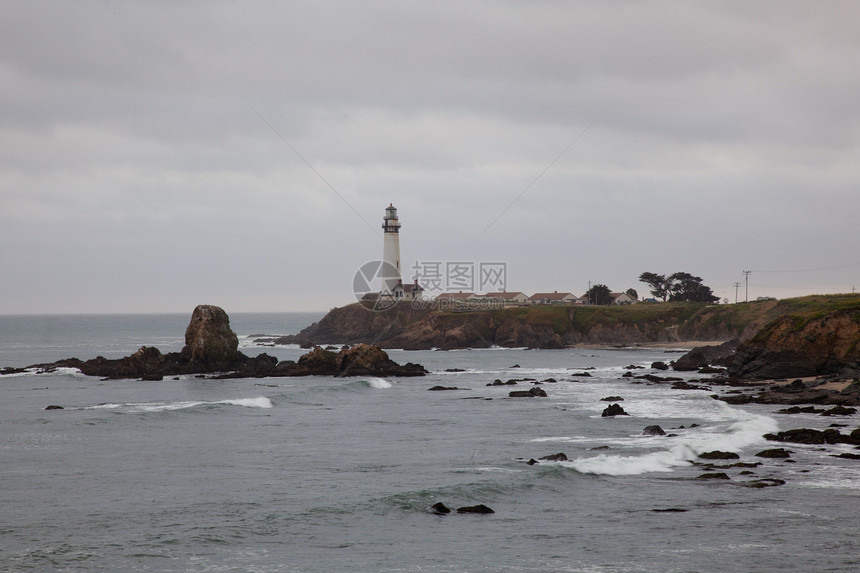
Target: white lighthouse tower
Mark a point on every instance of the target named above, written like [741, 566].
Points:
[390, 272]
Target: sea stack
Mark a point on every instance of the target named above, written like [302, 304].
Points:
[208, 339]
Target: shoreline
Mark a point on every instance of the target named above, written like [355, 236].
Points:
[678, 345]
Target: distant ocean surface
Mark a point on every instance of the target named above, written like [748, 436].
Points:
[331, 474]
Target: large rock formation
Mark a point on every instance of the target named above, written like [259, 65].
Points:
[360, 360]
[707, 356]
[212, 347]
[209, 341]
[793, 347]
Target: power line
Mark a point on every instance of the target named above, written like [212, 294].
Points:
[536, 179]
[747, 281]
[296, 151]
[810, 270]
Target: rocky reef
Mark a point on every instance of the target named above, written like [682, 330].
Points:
[211, 347]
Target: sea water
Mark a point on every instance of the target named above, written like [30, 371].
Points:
[334, 474]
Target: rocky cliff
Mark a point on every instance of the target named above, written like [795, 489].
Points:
[534, 327]
[799, 346]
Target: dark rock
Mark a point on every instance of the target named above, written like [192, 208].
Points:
[839, 411]
[532, 462]
[440, 508]
[581, 374]
[533, 392]
[848, 456]
[765, 482]
[370, 360]
[551, 381]
[209, 340]
[515, 366]
[809, 436]
[632, 367]
[718, 455]
[481, 508]
[800, 410]
[627, 374]
[454, 370]
[559, 457]
[653, 431]
[659, 365]
[598, 448]
[440, 388]
[687, 386]
[779, 453]
[613, 410]
[670, 510]
[710, 370]
[705, 356]
[658, 379]
[715, 475]
[794, 346]
[612, 399]
[735, 399]
[54, 407]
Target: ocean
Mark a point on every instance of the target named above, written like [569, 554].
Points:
[333, 474]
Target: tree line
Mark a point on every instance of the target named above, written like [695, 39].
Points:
[678, 287]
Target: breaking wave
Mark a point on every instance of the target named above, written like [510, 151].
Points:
[258, 402]
[747, 430]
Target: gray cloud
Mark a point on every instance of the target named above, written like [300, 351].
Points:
[137, 174]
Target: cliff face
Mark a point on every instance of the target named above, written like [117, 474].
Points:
[794, 346]
[534, 327]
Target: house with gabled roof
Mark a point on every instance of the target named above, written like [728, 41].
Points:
[554, 297]
[621, 298]
[507, 298]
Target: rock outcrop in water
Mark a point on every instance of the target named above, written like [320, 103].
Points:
[211, 347]
[209, 340]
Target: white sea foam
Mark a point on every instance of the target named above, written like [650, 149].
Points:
[378, 383]
[747, 429]
[61, 371]
[258, 402]
[562, 439]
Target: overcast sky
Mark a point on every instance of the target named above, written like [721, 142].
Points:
[160, 155]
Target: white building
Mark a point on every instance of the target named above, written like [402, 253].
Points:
[390, 271]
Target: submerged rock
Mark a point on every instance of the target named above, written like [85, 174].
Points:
[714, 475]
[559, 457]
[440, 508]
[809, 436]
[779, 453]
[718, 455]
[480, 508]
[654, 430]
[534, 392]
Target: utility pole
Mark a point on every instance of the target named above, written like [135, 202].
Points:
[736, 285]
[747, 280]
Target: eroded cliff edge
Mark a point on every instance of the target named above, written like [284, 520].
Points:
[407, 327]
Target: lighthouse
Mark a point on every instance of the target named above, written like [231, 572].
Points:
[390, 272]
